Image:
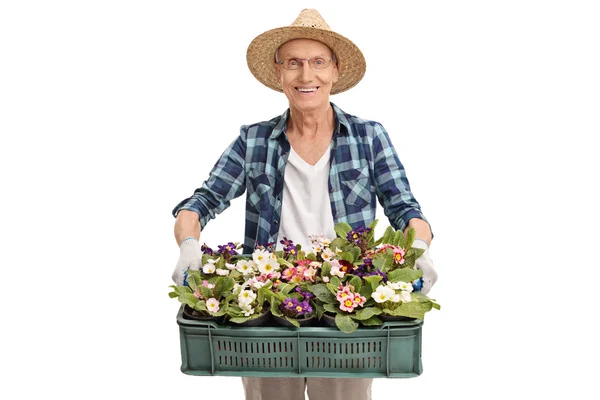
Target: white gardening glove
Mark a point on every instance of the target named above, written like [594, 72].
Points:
[190, 257]
[425, 264]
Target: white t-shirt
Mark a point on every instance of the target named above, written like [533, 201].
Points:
[306, 209]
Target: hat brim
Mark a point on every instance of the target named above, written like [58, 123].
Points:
[261, 55]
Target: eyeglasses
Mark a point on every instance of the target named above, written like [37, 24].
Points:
[297, 63]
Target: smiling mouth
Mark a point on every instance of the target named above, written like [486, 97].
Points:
[307, 90]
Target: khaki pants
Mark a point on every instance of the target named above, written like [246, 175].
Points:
[318, 388]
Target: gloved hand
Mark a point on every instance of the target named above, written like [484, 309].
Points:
[190, 257]
[425, 264]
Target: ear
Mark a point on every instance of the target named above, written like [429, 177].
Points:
[335, 73]
[278, 74]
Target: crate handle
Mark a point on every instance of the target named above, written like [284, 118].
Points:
[298, 352]
[212, 354]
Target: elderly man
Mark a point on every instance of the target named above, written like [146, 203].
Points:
[305, 171]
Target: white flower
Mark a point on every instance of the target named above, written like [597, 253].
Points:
[395, 298]
[212, 305]
[246, 297]
[222, 272]
[244, 266]
[208, 268]
[326, 279]
[406, 287]
[383, 293]
[315, 264]
[230, 266]
[210, 260]
[247, 309]
[268, 266]
[405, 297]
[335, 269]
[394, 285]
[260, 256]
[328, 254]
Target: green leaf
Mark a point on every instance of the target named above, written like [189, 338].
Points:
[293, 321]
[366, 313]
[404, 275]
[337, 243]
[223, 284]
[348, 256]
[366, 291]
[311, 257]
[239, 320]
[356, 252]
[342, 229]
[275, 303]
[335, 281]
[330, 308]
[410, 238]
[285, 288]
[194, 281]
[189, 299]
[413, 309]
[326, 268]
[398, 239]
[173, 295]
[388, 236]
[345, 323]
[356, 282]
[373, 280]
[332, 288]
[322, 293]
[206, 292]
[320, 310]
[373, 321]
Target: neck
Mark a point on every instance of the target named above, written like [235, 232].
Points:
[311, 123]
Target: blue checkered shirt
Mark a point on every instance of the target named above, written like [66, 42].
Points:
[364, 167]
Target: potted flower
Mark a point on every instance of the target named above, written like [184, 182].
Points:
[291, 305]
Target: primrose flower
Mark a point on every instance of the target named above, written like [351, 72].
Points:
[268, 266]
[247, 309]
[260, 256]
[212, 305]
[246, 297]
[244, 266]
[208, 268]
[383, 294]
[405, 297]
[348, 303]
[399, 255]
[327, 255]
[222, 272]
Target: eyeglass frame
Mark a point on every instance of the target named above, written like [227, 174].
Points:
[310, 64]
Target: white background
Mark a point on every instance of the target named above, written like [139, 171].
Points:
[111, 112]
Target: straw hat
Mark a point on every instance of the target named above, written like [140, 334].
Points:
[309, 25]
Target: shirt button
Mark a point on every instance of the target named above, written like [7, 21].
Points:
[276, 222]
[331, 190]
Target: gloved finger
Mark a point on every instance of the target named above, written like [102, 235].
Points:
[195, 264]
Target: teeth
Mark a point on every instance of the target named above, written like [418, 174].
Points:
[306, 90]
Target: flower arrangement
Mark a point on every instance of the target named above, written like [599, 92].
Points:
[353, 279]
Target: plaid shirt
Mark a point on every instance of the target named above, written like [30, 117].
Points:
[364, 165]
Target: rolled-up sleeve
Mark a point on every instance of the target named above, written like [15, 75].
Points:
[226, 181]
[393, 189]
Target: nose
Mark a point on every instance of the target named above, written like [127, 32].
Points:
[307, 74]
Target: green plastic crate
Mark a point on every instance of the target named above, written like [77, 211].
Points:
[392, 350]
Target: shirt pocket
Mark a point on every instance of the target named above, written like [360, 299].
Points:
[356, 186]
[260, 189]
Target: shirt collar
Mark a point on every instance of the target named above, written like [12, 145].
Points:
[341, 121]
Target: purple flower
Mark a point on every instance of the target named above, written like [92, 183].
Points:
[228, 248]
[206, 250]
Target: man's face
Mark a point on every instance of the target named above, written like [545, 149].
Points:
[307, 88]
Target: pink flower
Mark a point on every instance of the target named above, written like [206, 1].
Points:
[348, 303]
